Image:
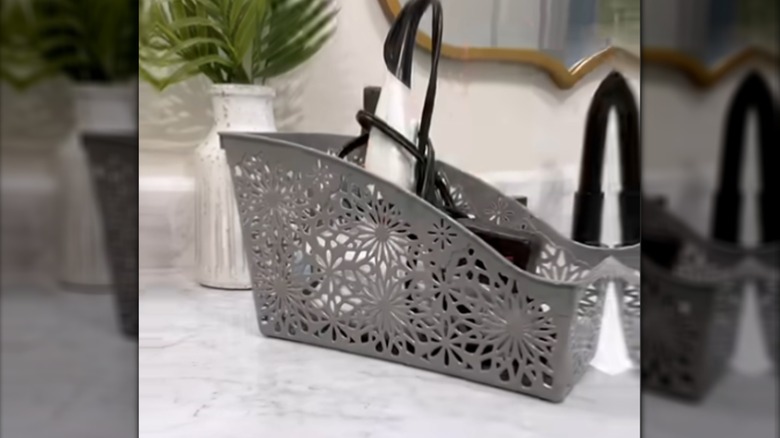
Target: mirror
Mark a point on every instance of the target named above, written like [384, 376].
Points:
[706, 39]
[567, 38]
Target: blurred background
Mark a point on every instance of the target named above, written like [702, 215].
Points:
[69, 97]
[512, 97]
[709, 114]
[504, 111]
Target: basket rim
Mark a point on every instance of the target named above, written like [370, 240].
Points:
[652, 270]
[562, 286]
[670, 223]
[620, 253]
[623, 253]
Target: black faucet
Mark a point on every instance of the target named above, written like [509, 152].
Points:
[612, 93]
[753, 94]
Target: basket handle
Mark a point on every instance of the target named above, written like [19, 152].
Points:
[399, 51]
[613, 92]
[368, 120]
[753, 94]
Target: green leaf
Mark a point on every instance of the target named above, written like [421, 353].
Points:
[304, 36]
[270, 36]
[60, 24]
[192, 68]
[145, 75]
[293, 59]
[185, 25]
[198, 42]
[245, 29]
[64, 42]
[83, 39]
[210, 7]
[286, 19]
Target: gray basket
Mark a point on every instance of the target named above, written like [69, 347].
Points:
[688, 331]
[344, 260]
[692, 307]
[113, 163]
[485, 201]
[476, 197]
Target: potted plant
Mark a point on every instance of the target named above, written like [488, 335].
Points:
[238, 45]
[91, 43]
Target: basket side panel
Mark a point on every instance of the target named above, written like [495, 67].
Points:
[344, 260]
[700, 264]
[768, 290]
[630, 296]
[586, 327]
[676, 332]
[114, 167]
[488, 203]
[561, 260]
[727, 302]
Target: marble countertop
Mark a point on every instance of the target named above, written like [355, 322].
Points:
[206, 371]
[67, 372]
[739, 405]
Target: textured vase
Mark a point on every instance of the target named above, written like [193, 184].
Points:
[219, 253]
[102, 109]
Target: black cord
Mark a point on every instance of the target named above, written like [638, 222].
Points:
[398, 54]
[430, 182]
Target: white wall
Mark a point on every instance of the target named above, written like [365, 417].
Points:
[491, 119]
[682, 123]
[489, 116]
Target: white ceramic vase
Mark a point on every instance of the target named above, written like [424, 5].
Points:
[220, 261]
[98, 108]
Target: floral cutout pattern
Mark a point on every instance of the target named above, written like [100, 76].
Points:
[276, 197]
[688, 334]
[499, 211]
[555, 264]
[442, 234]
[347, 262]
[379, 231]
[631, 318]
[561, 260]
[520, 330]
[672, 339]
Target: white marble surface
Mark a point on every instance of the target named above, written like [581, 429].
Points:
[739, 405]
[206, 371]
[66, 371]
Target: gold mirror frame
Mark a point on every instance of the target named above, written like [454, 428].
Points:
[563, 76]
[701, 74]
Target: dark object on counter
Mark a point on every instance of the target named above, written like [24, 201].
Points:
[521, 248]
[113, 161]
[522, 199]
[370, 101]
